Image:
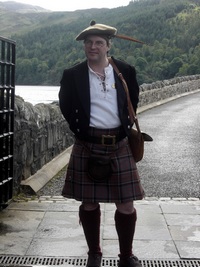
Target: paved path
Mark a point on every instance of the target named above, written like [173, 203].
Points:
[171, 166]
[49, 227]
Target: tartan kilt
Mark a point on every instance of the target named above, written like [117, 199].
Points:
[122, 186]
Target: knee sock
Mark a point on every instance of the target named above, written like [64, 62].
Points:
[125, 227]
[90, 221]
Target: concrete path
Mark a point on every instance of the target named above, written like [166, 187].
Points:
[49, 227]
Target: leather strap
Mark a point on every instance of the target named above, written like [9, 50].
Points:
[130, 106]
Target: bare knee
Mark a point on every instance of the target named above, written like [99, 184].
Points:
[90, 206]
[126, 208]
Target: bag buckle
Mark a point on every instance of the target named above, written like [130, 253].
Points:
[108, 140]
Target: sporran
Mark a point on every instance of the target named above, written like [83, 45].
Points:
[99, 168]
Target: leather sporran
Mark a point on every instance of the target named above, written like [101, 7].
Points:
[136, 142]
[99, 168]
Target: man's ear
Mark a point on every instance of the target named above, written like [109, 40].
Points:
[109, 47]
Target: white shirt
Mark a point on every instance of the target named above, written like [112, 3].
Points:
[103, 94]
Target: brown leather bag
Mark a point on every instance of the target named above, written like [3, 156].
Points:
[136, 142]
[136, 137]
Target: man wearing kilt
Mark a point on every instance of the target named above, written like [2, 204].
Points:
[93, 101]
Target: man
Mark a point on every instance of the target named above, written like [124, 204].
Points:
[93, 101]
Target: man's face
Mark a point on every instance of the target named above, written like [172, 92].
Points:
[96, 48]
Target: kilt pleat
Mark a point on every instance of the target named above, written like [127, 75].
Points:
[123, 185]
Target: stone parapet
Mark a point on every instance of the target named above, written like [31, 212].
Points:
[41, 133]
[157, 91]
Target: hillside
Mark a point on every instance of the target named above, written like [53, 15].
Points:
[45, 40]
[12, 6]
[18, 18]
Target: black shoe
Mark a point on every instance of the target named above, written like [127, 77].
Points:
[129, 262]
[94, 260]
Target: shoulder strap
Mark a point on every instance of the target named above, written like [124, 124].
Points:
[130, 106]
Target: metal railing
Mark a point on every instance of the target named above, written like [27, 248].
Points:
[7, 95]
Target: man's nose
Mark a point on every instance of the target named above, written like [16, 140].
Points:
[93, 45]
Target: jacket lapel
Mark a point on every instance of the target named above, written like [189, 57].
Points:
[121, 95]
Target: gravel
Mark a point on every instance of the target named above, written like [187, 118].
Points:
[54, 187]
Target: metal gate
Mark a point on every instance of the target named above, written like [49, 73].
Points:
[7, 95]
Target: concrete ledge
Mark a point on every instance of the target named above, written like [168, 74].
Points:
[35, 182]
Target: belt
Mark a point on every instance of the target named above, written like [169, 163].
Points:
[106, 140]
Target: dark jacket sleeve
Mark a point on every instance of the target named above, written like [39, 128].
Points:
[74, 98]
[65, 94]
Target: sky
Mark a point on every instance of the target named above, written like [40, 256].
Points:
[72, 5]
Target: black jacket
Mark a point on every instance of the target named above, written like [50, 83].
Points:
[74, 96]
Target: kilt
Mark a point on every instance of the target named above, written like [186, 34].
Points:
[122, 186]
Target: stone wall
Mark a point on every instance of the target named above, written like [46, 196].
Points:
[41, 133]
[160, 90]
